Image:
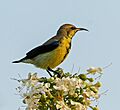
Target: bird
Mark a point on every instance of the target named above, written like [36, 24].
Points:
[54, 51]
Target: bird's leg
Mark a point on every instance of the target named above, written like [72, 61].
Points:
[55, 72]
[48, 70]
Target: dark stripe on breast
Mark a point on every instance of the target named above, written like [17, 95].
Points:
[67, 51]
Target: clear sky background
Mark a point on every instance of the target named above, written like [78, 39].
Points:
[25, 24]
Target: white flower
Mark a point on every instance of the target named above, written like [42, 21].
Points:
[32, 80]
[61, 105]
[78, 106]
[75, 82]
[61, 84]
[90, 93]
[47, 85]
[68, 84]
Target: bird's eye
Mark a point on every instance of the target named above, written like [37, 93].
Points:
[73, 28]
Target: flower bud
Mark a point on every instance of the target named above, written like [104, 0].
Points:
[95, 108]
[90, 79]
[93, 89]
[98, 84]
[83, 77]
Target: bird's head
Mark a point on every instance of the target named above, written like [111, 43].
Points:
[69, 30]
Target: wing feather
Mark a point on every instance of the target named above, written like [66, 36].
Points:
[42, 49]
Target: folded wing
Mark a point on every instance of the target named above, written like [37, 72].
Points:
[42, 49]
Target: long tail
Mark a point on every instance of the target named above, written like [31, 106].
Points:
[18, 61]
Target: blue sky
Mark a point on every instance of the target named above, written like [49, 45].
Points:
[25, 24]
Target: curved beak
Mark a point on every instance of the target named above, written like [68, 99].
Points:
[82, 29]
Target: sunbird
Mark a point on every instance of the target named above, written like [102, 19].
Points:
[54, 51]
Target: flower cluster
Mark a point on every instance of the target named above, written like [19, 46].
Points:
[62, 91]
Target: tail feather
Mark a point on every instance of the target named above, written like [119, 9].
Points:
[18, 61]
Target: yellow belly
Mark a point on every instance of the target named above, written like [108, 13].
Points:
[50, 59]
